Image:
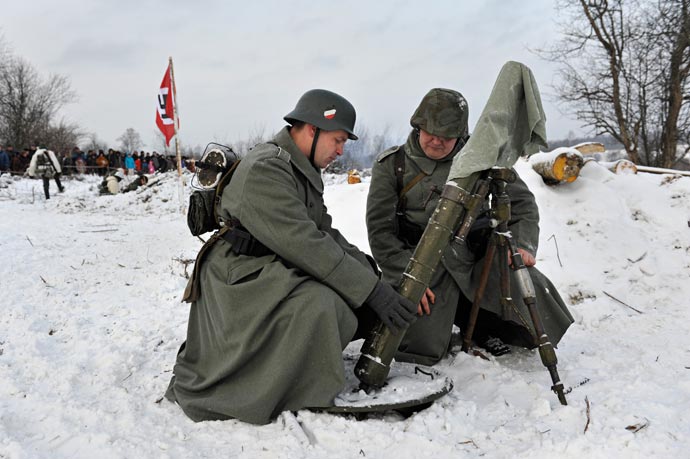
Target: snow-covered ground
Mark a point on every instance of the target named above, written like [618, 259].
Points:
[91, 321]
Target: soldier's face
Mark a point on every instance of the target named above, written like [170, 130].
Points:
[435, 147]
[329, 146]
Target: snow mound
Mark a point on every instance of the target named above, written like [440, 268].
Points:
[92, 321]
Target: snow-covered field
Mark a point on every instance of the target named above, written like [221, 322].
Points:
[91, 321]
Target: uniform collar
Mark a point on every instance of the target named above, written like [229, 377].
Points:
[415, 153]
[299, 159]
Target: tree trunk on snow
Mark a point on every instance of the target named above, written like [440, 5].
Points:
[620, 167]
[560, 165]
[590, 148]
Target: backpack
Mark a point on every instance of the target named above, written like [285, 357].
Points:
[214, 171]
[44, 167]
[103, 187]
[104, 182]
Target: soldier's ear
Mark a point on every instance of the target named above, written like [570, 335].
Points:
[312, 130]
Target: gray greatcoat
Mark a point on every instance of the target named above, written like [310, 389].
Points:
[456, 278]
[267, 333]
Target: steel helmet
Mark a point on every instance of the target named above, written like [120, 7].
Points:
[326, 110]
[442, 112]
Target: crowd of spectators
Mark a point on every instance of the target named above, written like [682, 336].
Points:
[92, 162]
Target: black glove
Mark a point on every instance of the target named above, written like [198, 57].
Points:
[394, 310]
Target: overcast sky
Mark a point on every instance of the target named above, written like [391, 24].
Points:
[241, 66]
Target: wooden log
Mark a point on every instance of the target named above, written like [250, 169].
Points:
[622, 166]
[590, 148]
[353, 176]
[660, 170]
[560, 165]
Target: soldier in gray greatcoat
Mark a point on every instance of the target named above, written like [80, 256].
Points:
[405, 188]
[276, 298]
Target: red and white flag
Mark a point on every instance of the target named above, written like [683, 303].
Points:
[165, 114]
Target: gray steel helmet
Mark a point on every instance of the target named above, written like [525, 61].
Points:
[442, 112]
[326, 110]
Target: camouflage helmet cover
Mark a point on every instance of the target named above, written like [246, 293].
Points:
[442, 112]
[326, 110]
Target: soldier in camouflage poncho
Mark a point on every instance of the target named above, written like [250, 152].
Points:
[404, 191]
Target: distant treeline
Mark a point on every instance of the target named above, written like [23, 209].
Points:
[609, 142]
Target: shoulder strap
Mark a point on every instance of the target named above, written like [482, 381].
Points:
[192, 291]
[222, 183]
[399, 165]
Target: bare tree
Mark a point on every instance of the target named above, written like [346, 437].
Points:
[159, 144]
[381, 142]
[29, 104]
[256, 136]
[624, 68]
[94, 143]
[4, 52]
[193, 152]
[186, 150]
[61, 137]
[130, 140]
[354, 153]
[361, 153]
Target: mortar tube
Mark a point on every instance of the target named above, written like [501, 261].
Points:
[380, 347]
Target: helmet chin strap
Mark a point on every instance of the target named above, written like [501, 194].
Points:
[460, 143]
[313, 147]
[416, 137]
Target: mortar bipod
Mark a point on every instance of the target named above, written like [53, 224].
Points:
[502, 241]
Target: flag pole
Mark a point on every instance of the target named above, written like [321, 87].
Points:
[176, 124]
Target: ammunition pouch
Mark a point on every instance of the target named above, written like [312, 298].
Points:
[408, 232]
[200, 216]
